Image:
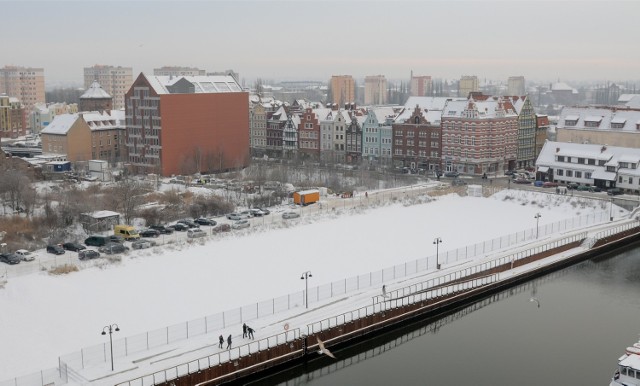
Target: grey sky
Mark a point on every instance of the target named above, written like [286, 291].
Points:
[542, 40]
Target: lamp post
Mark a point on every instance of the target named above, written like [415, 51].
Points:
[537, 217]
[611, 210]
[437, 242]
[305, 276]
[110, 328]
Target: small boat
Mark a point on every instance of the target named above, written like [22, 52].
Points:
[628, 372]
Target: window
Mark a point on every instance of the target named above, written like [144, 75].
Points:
[591, 161]
[581, 160]
[587, 175]
[630, 180]
[620, 179]
[560, 172]
[578, 174]
[569, 173]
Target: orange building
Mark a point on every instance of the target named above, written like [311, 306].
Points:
[343, 89]
[187, 124]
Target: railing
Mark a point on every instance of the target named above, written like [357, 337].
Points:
[618, 229]
[216, 359]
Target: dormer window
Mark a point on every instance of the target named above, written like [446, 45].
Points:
[571, 120]
[618, 123]
[592, 121]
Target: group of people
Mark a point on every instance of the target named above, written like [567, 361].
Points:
[247, 332]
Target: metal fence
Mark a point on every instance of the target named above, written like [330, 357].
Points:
[209, 361]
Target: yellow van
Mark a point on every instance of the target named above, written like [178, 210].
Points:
[126, 231]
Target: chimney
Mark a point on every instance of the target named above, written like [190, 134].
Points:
[557, 149]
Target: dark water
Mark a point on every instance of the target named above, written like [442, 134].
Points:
[588, 315]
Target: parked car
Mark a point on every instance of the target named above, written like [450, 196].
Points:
[205, 221]
[180, 227]
[162, 229]
[116, 239]
[453, 174]
[522, 181]
[255, 212]
[614, 191]
[141, 244]
[246, 214]
[240, 224]
[73, 246]
[113, 248]
[221, 228]
[288, 215]
[538, 183]
[196, 232]
[265, 211]
[9, 258]
[55, 249]
[149, 233]
[87, 254]
[595, 189]
[572, 186]
[189, 223]
[550, 184]
[234, 216]
[25, 255]
[96, 240]
[583, 188]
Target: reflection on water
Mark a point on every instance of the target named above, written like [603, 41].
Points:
[588, 314]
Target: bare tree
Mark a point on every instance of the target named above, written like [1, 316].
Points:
[128, 195]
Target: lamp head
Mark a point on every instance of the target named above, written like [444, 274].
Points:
[117, 328]
[104, 333]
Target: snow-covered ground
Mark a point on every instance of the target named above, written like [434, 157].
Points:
[46, 316]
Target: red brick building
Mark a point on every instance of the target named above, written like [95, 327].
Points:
[309, 135]
[416, 139]
[184, 125]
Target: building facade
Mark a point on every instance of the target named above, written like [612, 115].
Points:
[375, 90]
[479, 137]
[186, 125]
[542, 127]
[377, 134]
[12, 118]
[309, 135]
[343, 89]
[515, 85]
[258, 127]
[290, 136]
[417, 139]
[421, 85]
[95, 99]
[116, 81]
[613, 126]
[275, 132]
[467, 85]
[353, 138]
[24, 83]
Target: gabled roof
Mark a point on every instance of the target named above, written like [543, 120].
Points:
[60, 124]
[95, 91]
[95, 120]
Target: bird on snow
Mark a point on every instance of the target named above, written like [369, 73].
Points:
[324, 350]
[535, 300]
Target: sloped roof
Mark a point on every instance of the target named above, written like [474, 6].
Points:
[208, 84]
[606, 116]
[95, 91]
[60, 124]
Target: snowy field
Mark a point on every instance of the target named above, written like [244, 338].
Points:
[46, 316]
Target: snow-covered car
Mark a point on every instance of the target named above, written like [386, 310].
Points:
[25, 255]
[196, 232]
[141, 244]
[288, 215]
[113, 248]
[255, 212]
[9, 258]
[88, 254]
[221, 228]
[234, 216]
[240, 224]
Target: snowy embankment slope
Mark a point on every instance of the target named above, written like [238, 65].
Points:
[45, 316]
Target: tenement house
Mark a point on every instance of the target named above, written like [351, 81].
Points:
[614, 126]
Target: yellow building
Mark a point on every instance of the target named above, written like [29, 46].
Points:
[12, 122]
[343, 89]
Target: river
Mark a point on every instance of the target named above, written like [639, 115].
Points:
[589, 313]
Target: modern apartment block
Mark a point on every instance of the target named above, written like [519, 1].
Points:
[375, 90]
[12, 117]
[421, 85]
[178, 71]
[467, 85]
[184, 125]
[515, 85]
[343, 89]
[114, 80]
[24, 83]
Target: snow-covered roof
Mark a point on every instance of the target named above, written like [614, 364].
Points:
[429, 103]
[95, 91]
[94, 119]
[486, 109]
[102, 214]
[60, 124]
[605, 116]
[560, 86]
[624, 98]
[202, 84]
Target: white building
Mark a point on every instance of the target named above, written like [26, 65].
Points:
[591, 165]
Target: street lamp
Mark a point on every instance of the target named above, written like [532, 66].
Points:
[437, 242]
[537, 217]
[111, 328]
[611, 210]
[305, 276]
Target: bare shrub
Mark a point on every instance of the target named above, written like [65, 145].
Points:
[63, 269]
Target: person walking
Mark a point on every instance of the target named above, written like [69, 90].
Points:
[221, 339]
[250, 332]
[244, 330]
[229, 342]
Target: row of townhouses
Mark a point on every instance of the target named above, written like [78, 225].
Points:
[481, 134]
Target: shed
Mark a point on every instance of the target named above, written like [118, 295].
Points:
[99, 221]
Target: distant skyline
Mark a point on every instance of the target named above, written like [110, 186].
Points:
[312, 40]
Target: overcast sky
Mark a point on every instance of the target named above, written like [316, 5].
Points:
[296, 40]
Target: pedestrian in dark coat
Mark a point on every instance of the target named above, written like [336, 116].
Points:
[221, 339]
[244, 330]
[250, 332]
[229, 342]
